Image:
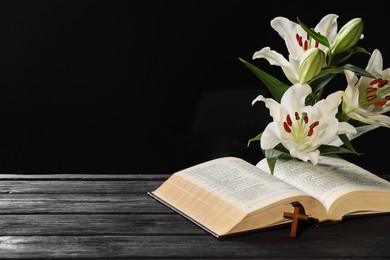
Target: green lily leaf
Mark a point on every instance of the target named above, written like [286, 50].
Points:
[358, 49]
[344, 118]
[319, 82]
[339, 70]
[329, 149]
[328, 73]
[347, 143]
[357, 70]
[275, 86]
[272, 155]
[256, 138]
[318, 37]
[344, 56]
[329, 70]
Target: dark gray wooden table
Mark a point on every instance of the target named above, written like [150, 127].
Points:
[112, 217]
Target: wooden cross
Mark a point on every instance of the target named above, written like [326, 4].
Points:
[296, 216]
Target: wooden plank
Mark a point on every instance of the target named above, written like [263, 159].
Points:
[38, 219]
[271, 245]
[89, 225]
[141, 224]
[79, 204]
[86, 176]
[77, 186]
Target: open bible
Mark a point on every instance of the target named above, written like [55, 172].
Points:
[228, 196]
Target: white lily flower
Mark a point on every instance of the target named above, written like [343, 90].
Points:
[298, 42]
[366, 100]
[303, 129]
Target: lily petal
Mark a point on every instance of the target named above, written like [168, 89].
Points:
[375, 64]
[271, 104]
[275, 58]
[312, 156]
[294, 99]
[329, 106]
[328, 27]
[270, 137]
[287, 30]
[346, 128]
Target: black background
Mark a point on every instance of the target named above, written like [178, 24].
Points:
[149, 86]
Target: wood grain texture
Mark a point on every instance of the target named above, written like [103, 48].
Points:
[85, 176]
[94, 225]
[102, 217]
[273, 245]
[79, 203]
[77, 186]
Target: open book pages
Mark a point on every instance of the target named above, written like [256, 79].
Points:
[228, 195]
[342, 187]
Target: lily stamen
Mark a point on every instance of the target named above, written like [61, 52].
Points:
[375, 81]
[286, 127]
[296, 116]
[371, 90]
[382, 83]
[299, 40]
[305, 117]
[300, 129]
[311, 128]
[314, 124]
[380, 103]
[317, 43]
[306, 46]
[288, 119]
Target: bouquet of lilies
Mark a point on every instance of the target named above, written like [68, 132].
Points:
[305, 124]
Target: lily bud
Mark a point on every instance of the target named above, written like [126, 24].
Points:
[348, 35]
[313, 60]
